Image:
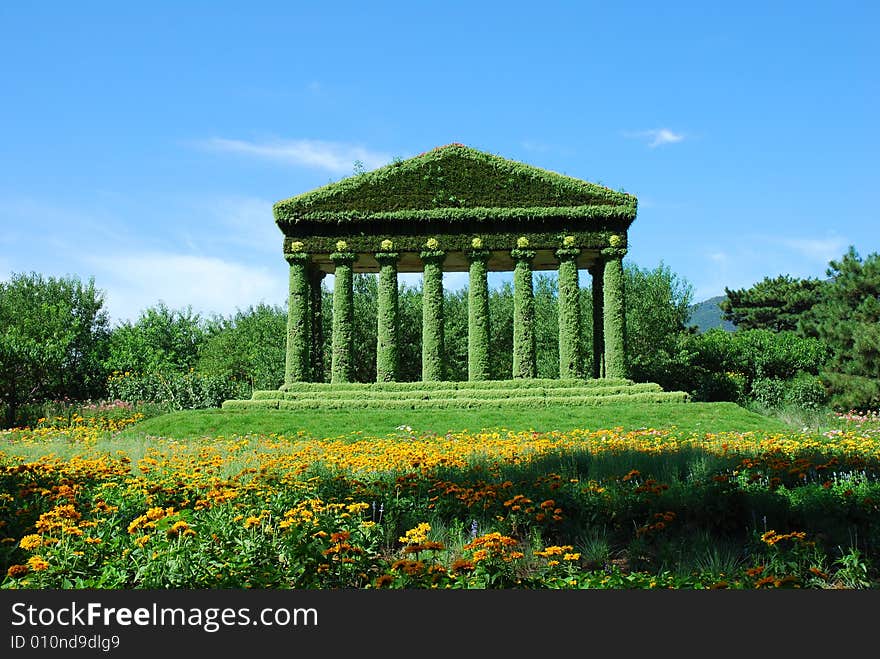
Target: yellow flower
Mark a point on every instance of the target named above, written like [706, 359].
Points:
[571, 557]
[568, 241]
[31, 542]
[142, 540]
[615, 240]
[432, 243]
[16, 571]
[387, 245]
[522, 242]
[341, 245]
[251, 522]
[417, 535]
[296, 246]
[37, 563]
[477, 243]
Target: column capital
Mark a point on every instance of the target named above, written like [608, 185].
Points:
[343, 258]
[525, 255]
[614, 252]
[433, 256]
[296, 257]
[567, 253]
[387, 258]
[478, 255]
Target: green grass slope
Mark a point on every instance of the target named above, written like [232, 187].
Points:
[688, 417]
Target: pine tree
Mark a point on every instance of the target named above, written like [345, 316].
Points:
[847, 319]
[773, 303]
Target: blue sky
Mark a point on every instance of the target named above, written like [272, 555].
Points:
[143, 144]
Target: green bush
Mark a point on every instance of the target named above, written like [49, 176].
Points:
[807, 392]
[768, 392]
[176, 390]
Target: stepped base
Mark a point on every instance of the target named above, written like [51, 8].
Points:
[455, 395]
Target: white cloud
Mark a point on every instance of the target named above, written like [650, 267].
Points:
[336, 157]
[656, 137]
[821, 250]
[207, 284]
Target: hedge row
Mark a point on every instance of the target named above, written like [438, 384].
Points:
[466, 393]
[458, 403]
[427, 386]
[454, 182]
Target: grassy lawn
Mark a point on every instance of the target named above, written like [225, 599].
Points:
[688, 417]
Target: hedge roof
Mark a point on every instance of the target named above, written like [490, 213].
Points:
[454, 183]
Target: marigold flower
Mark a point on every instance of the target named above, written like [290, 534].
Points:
[31, 542]
[17, 571]
[37, 563]
[384, 581]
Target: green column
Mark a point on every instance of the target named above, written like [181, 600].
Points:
[433, 359]
[524, 347]
[387, 330]
[596, 272]
[316, 312]
[614, 314]
[570, 352]
[341, 362]
[296, 364]
[478, 316]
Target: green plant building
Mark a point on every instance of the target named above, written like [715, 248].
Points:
[457, 209]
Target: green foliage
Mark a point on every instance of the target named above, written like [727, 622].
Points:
[433, 355]
[247, 346]
[455, 183]
[52, 340]
[524, 358]
[342, 368]
[455, 333]
[745, 365]
[297, 365]
[387, 315]
[775, 304]
[452, 237]
[570, 352]
[365, 302]
[847, 320]
[614, 288]
[478, 328]
[176, 390]
[501, 331]
[161, 339]
[657, 311]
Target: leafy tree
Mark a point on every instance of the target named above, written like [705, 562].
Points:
[501, 331]
[847, 319]
[52, 336]
[455, 333]
[161, 339]
[247, 346]
[366, 294]
[546, 325]
[775, 304]
[657, 312]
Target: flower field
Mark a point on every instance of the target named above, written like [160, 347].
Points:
[648, 508]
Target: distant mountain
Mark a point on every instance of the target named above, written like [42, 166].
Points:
[707, 314]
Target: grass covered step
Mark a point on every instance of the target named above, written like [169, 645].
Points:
[409, 402]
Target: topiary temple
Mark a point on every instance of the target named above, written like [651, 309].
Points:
[453, 209]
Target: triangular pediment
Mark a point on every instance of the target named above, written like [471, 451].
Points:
[450, 177]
